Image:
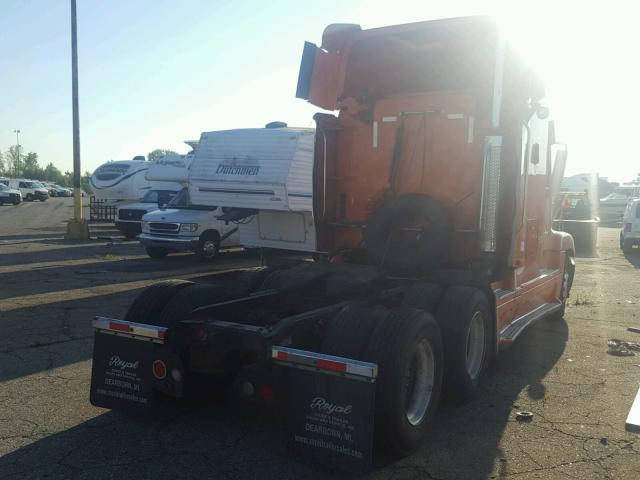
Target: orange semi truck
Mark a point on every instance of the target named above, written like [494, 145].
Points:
[433, 189]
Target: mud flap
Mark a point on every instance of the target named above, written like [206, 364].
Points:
[329, 410]
[121, 375]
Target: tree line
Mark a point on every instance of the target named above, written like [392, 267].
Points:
[15, 164]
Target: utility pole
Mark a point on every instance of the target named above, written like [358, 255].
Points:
[16, 167]
[77, 228]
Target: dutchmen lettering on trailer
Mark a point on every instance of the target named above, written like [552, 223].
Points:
[235, 167]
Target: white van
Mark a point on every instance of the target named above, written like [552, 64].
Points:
[31, 189]
[130, 214]
[630, 234]
[184, 227]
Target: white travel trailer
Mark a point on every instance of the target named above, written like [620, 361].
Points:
[263, 176]
[129, 180]
[120, 180]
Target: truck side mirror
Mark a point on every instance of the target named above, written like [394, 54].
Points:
[559, 152]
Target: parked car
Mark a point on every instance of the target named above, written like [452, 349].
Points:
[630, 234]
[183, 227]
[56, 190]
[613, 206]
[31, 189]
[129, 216]
[9, 195]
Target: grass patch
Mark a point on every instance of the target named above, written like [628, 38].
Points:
[582, 299]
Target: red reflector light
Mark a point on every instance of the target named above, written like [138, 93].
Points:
[161, 334]
[159, 369]
[120, 327]
[283, 356]
[331, 365]
[266, 392]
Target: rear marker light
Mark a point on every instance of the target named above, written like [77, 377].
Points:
[282, 356]
[120, 327]
[330, 365]
[159, 369]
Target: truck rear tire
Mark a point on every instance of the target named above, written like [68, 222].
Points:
[423, 296]
[407, 347]
[349, 331]
[157, 252]
[188, 299]
[465, 321]
[148, 305]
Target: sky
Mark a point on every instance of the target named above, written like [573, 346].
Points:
[154, 73]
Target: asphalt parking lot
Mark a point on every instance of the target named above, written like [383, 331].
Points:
[50, 290]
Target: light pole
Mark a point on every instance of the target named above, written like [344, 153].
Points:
[16, 167]
[77, 228]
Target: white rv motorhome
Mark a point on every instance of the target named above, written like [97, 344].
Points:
[264, 175]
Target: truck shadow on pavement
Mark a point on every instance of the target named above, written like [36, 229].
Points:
[231, 441]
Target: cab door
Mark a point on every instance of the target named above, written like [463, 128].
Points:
[534, 213]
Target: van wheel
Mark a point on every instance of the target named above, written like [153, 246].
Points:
[627, 246]
[29, 197]
[148, 305]
[465, 321]
[157, 252]
[407, 347]
[208, 246]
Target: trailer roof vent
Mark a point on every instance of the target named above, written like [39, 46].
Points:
[276, 125]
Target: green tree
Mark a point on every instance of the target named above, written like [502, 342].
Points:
[159, 153]
[52, 174]
[30, 167]
[13, 164]
[1, 163]
[85, 183]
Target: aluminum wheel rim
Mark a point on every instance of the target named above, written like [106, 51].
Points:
[209, 248]
[475, 345]
[419, 380]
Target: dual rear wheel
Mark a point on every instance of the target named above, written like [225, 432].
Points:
[420, 356]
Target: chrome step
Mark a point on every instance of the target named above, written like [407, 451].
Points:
[515, 328]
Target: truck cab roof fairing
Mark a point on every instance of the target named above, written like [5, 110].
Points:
[365, 64]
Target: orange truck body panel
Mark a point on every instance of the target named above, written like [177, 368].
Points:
[369, 76]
